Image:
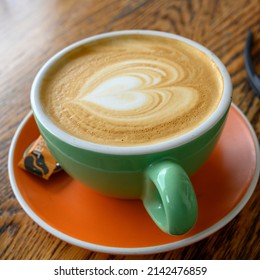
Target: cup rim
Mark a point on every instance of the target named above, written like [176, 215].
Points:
[139, 149]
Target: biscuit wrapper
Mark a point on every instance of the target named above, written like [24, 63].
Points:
[38, 160]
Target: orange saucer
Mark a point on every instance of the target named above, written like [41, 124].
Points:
[76, 214]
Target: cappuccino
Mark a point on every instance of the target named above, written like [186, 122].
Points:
[131, 90]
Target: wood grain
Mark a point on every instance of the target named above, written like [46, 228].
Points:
[32, 31]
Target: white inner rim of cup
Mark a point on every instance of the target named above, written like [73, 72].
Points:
[140, 149]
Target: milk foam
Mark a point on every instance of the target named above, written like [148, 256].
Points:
[132, 91]
[119, 93]
[135, 89]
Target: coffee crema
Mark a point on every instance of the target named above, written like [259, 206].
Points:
[131, 90]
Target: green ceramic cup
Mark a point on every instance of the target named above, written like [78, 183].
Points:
[157, 174]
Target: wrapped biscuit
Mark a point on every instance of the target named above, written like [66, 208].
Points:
[38, 160]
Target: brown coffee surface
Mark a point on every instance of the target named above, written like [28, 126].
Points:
[131, 90]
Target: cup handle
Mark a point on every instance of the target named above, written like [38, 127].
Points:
[169, 197]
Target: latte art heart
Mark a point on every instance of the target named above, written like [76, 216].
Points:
[137, 86]
[132, 90]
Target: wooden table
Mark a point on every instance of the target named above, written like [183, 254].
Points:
[32, 31]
